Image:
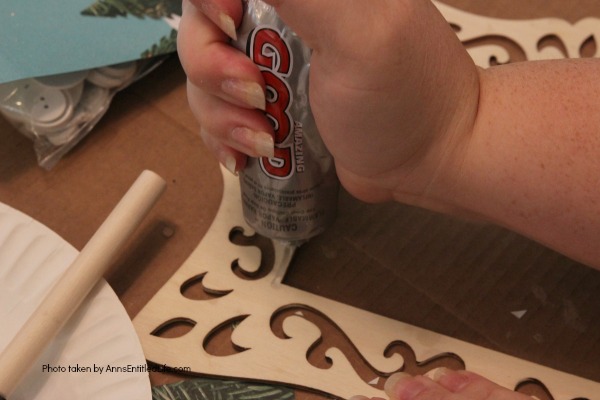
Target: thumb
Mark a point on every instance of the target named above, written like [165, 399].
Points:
[315, 21]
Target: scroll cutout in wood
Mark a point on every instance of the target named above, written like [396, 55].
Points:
[228, 289]
[539, 39]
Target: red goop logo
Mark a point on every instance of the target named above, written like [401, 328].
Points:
[268, 49]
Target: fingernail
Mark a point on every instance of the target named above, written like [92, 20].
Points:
[392, 381]
[250, 93]
[258, 144]
[229, 163]
[438, 373]
[274, 3]
[223, 21]
[227, 25]
[358, 397]
[451, 379]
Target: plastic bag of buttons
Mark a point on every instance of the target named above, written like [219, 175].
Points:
[57, 111]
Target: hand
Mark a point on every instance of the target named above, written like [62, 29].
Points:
[225, 89]
[446, 385]
[392, 90]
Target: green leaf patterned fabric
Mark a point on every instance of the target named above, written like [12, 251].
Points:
[213, 389]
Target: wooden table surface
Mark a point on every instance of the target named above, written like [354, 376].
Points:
[149, 126]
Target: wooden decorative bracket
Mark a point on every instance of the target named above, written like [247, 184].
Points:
[229, 288]
[538, 39]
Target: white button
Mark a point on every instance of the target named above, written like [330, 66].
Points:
[63, 81]
[112, 76]
[74, 93]
[16, 99]
[121, 71]
[94, 101]
[36, 106]
[50, 108]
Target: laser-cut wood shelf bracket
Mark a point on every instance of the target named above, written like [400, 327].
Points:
[256, 305]
[224, 283]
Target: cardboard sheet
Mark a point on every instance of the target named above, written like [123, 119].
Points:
[476, 282]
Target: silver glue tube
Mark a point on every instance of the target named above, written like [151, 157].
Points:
[292, 196]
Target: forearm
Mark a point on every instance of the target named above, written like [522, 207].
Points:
[532, 162]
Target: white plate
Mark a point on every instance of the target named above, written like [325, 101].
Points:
[100, 333]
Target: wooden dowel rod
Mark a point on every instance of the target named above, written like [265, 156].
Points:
[77, 282]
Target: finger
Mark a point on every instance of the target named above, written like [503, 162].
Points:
[226, 14]
[247, 131]
[360, 397]
[213, 65]
[473, 386]
[449, 385]
[231, 159]
[401, 386]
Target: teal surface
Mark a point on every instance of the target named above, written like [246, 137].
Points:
[44, 37]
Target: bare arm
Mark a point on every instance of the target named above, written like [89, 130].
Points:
[408, 116]
[532, 160]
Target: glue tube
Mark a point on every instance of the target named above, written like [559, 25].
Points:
[292, 196]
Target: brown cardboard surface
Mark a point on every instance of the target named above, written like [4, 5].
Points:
[454, 277]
